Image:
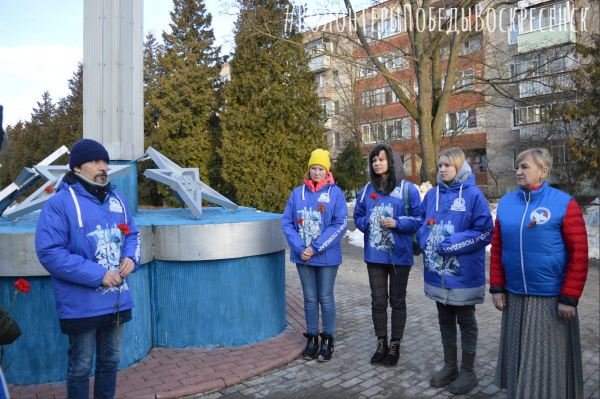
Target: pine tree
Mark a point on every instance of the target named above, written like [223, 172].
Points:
[272, 120]
[182, 101]
[69, 114]
[150, 192]
[349, 169]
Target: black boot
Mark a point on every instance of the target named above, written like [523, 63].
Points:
[450, 370]
[394, 353]
[467, 379]
[312, 347]
[326, 348]
[381, 352]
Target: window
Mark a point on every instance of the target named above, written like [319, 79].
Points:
[392, 129]
[336, 108]
[381, 96]
[393, 61]
[538, 113]
[514, 31]
[316, 47]
[465, 119]
[477, 159]
[545, 17]
[321, 80]
[366, 134]
[470, 46]
[558, 154]
[336, 140]
[468, 83]
[336, 79]
[326, 105]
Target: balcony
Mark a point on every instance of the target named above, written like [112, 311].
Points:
[328, 123]
[320, 63]
[545, 86]
[539, 39]
[324, 92]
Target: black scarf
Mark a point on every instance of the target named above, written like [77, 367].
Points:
[98, 191]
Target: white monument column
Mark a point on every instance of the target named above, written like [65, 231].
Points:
[113, 91]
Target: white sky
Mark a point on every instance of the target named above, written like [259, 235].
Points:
[41, 42]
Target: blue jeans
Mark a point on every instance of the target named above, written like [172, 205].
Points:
[318, 290]
[79, 367]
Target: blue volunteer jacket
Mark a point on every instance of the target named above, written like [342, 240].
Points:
[534, 258]
[455, 246]
[323, 229]
[378, 240]
[77, 241]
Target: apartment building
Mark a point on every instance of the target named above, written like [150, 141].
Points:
[529, 61]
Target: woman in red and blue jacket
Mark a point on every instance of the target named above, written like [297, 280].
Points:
[539, 265]
[314, 222]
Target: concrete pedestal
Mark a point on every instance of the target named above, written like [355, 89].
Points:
[218, 281]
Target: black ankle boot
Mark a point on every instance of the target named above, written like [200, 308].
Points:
[326, 348]
[450, 370]
[381, 352]
[393, 354]
[312, 347]
[467, 379]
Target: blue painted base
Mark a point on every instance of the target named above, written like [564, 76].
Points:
[178, 304]
[128, 184]
[219, 303]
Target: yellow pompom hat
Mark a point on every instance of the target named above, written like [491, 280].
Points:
[320, 157]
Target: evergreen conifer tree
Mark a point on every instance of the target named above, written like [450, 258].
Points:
[182, 85]
[349, 169]
[272, 120]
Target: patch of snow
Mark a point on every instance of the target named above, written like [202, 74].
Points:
[356, 238]
[591, 225]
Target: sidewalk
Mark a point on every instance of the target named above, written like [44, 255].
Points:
[170, 373]
[350, 375]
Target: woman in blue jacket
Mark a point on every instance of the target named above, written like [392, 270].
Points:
[457, 227]
[387, 217]
[314, 222]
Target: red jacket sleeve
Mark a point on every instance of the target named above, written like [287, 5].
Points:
[497, 275]
[575, 236]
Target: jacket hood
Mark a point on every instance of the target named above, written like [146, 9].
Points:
[327, 180]
[464, 178]
[395, 167]
[461, 177]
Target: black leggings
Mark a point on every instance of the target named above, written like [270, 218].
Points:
[448, 316]
[378, 280]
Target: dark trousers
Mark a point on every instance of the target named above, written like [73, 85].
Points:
[448, 316]
[378, 280]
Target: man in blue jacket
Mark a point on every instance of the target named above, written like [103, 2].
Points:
[87, 240]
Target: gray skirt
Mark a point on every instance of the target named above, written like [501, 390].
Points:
[539, 354]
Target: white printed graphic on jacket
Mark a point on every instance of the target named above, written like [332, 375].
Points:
[310, 229]
[447, 265]
[380, 238]
[108, 252]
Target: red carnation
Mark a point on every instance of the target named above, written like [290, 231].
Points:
[374, 196]
[430, 222]
[300, 221]
[49, 189]
[22, 285]
[124, 228]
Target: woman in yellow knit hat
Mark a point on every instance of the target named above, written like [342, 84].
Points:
[314, 222]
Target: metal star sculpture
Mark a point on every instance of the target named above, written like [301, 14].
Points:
[184, 182]
[54, 175]
[27, 178]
